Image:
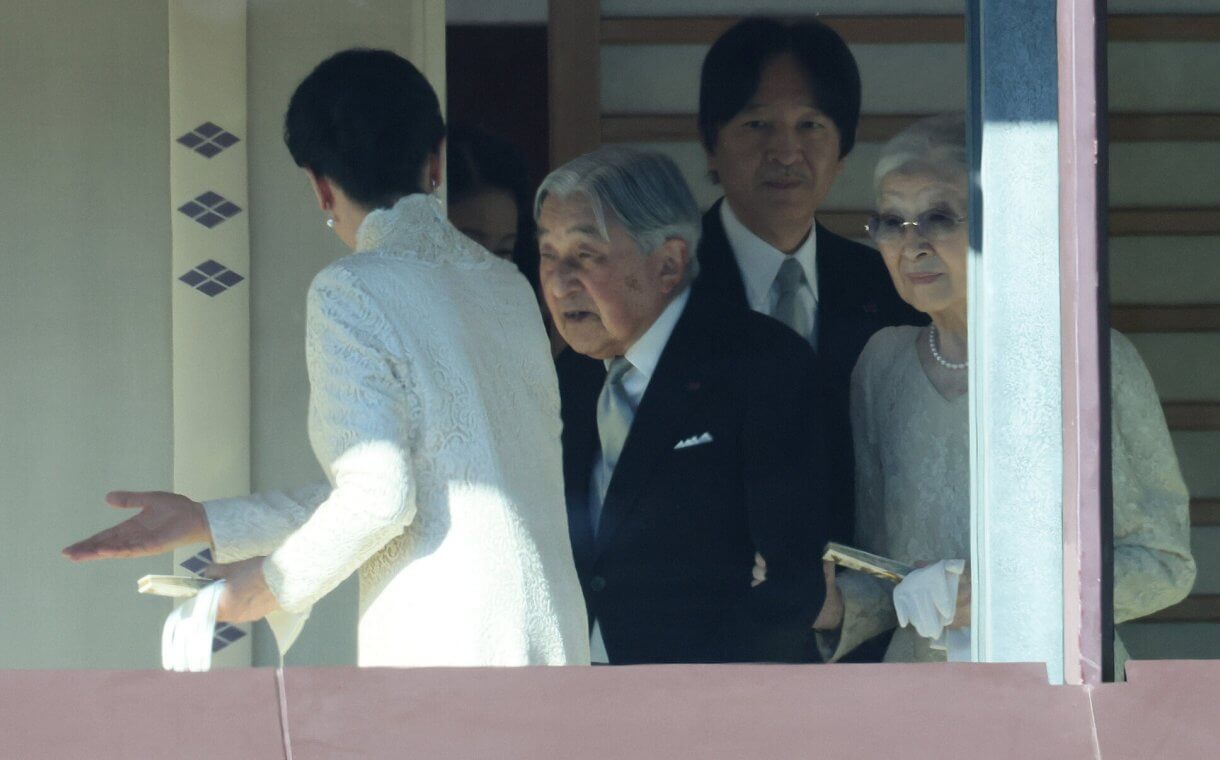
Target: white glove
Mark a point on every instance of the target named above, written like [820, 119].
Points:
[186, 639]
[927, 597]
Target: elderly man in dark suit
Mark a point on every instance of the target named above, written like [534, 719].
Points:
[689, 437]
[778, 109]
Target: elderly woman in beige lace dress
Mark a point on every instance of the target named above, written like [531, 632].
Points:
[910, 421]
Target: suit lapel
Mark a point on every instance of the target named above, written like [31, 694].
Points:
[842, 299]
[667, 405]
[583, 380]
[719, 272]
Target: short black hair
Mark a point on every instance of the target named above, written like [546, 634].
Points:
[478, 161]
[734, 65]
[367, 121]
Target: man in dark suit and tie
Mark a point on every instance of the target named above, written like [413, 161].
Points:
[689, 437]
[778, 109]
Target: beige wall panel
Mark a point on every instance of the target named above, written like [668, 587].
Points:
[859, 7]
[1166, 174]
[290, 244]
[1165, 270]
[1184, 366]
[853, 190]
[897, 78]
[1164, 6]
[84, 301]
[1170, 641]
[495, 11]
[535, 11]
[1164, 76]
[1205, 543]
[778, 7]
[1142, 174]
[1144, 76]
[1197, 457]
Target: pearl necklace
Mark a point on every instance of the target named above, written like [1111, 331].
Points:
[936, 354]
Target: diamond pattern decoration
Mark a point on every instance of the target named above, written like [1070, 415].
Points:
[211, 278]
[225, 635]
[210, 209]
[208, 139]
[198, 562]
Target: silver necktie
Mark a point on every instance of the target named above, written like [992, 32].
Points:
[614, 415]
[788, 307]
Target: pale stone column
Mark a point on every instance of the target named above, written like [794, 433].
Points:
[209, 205]
[1015, 355]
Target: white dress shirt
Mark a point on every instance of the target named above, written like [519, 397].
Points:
[643, 355]
[759, 262]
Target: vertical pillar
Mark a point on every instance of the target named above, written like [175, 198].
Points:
[574, 61]
[1015, 386]
[1087, 535]
[211, 260]
[426, 46]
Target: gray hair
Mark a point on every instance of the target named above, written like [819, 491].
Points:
[644, 190]
[937, 143]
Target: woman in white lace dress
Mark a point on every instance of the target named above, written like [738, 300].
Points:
[910, 421]
[434, 411]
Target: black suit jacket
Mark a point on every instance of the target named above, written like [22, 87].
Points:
[856, 298]
[668, 574]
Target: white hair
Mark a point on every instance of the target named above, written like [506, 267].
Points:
[644, 190]
[937, 144]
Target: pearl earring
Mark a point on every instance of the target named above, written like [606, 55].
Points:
[330, 222]
[435, 184]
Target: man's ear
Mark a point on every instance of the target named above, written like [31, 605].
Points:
[674, 260]
[713, 174]
[322, 190]
[839, 167]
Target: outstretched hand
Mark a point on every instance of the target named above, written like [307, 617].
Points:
[165, 521]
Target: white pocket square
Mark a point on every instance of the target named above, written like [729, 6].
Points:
[694, 440]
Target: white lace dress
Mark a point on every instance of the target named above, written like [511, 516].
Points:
[434, 411]
[913, 497]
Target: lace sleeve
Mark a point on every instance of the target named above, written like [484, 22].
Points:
[1153, 566]
[870, 480]
[358, 426]
[254, 525]
[868, 603]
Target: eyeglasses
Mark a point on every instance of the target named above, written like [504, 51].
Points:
[934, 224]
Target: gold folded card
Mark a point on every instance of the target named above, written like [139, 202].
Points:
[172, 585]
[866, 562]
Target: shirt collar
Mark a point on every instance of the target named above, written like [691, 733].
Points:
[760, 261]
[645, 353]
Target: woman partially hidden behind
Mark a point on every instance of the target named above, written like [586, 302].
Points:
[434, 411]
[909, 418]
